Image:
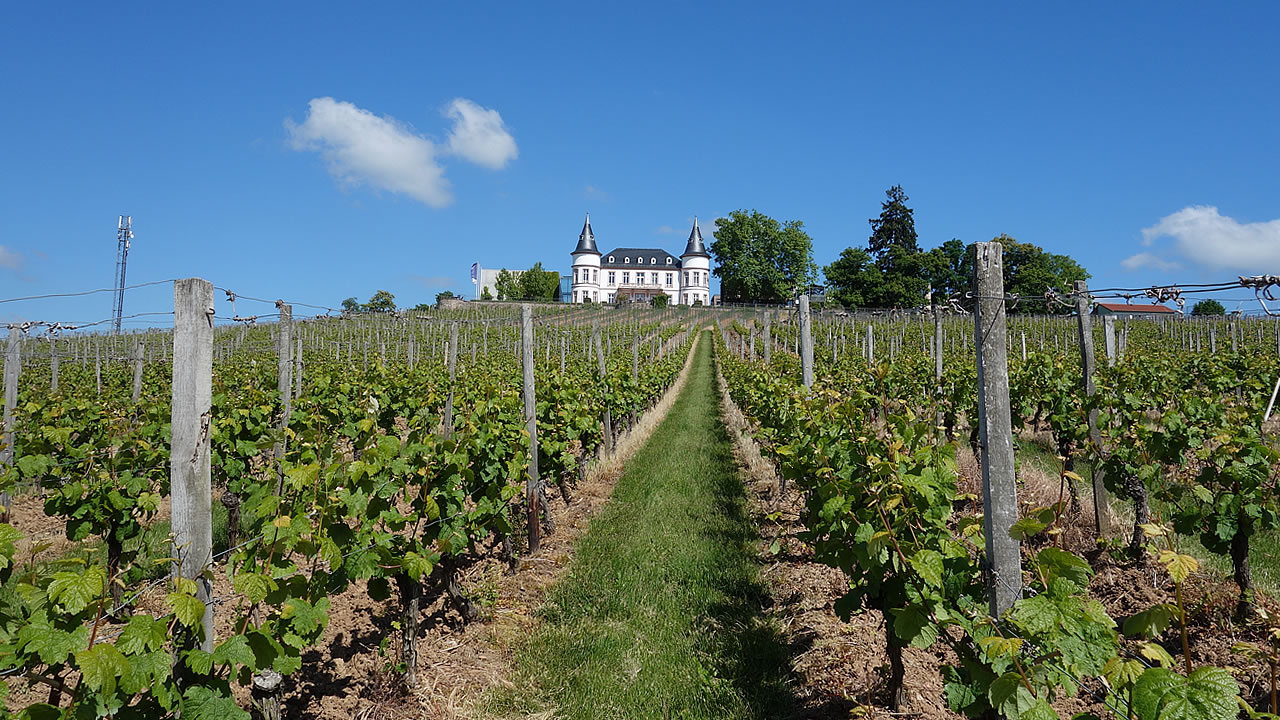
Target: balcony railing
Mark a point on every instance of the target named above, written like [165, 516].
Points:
[645, 286]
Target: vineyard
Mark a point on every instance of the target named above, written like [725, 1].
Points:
[880, 427]
[185, 505]
[1054, 518]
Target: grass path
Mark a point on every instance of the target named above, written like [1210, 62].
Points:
[660, 614]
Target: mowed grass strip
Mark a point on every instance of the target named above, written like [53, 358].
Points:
[660, 614]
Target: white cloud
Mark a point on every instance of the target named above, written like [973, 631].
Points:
[1205, 238]
[591, 192]
[666, 230]
[360, 147]
[479, 135]
[10, 259]
[1146, 259]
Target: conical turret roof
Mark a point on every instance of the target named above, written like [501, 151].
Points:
[587, 240]
[695, 246]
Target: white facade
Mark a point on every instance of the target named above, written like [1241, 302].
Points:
[639, 274]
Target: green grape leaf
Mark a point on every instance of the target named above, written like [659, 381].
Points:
[73, 591]
[146, 671]
[142, 634]
[101, 666]
[189, 610]
[50, 643]
[928, 563]
[1209, 693]
[203, 703]
[200, 662]
[1151, 622]
[235, 649]
[1056, 563]
[254, 586]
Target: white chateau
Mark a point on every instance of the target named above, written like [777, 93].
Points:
[640, 274]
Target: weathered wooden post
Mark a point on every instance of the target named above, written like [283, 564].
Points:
[1101, 506]
[453, 374]
[12, 369]
[806, 343]
[190, 493]
[137, 372]
[533, 485]
[999, 484]
[284, 384]
[604, 377]
[1109, 338]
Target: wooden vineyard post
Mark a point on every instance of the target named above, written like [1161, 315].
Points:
[937, 361]
[871, 346]
[768, 337]
[1101, 507]
[190, 492]
[297, 369]
[284, 384]
[806, 343]
[635, 357]
[137, 372]
[12, 369]
[604, 376]
[999, 486]
[453, 373]
[53, 366]
[532, 490]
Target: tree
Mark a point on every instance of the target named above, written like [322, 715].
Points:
[381, 302]
[1029, 271]
[1208, 307]
[896, 251]
[759, 259]
[350, 305]
[852, 278]
[444, 296]
[538, 284]
[661, 300]
[485, 294]
[505, 285]
[945, 267]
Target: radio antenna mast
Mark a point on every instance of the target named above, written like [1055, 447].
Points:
[124, 233]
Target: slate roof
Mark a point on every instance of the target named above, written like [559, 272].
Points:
[695, 246]
[587, 240]
[648, 258]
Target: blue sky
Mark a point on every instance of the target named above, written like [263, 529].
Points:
[314, 152]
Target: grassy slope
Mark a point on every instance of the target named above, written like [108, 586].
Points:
[659, 615]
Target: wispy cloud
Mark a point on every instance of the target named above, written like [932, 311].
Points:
[1146, 259]
[10, 259]
[666, 230]
[362, 148]
[1203, 237]
[479, 135]
[591, 192]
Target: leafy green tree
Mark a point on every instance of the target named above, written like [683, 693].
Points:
[381, 302]
[759, 259]
[444, 296]
[506, 285]
[538, 284]
[1208, 307]
[895, 249]
[661, 300]
[944, 266]
[420, 307]
[485, 294]
[350, 305]
[853, 278]
[1029, 271]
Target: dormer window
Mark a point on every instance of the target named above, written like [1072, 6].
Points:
[610, 258]
[668, 261]
[626, 260]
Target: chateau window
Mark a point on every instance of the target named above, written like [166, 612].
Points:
[595, 296]
[626, 277]
[668, 279]
[686, 282]
[575, 275]
[610, 258]
[668, 261]
[595, 276]
[655, 278]
[626, 260]
[611, 297]
[611, 278]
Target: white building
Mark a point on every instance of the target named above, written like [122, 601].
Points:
[640, 274]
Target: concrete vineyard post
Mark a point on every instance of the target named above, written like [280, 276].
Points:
[12, 369]
[1101, 506]
[604, 375]
[806, 343]
[768, 337]
[137, 372]
[453, 373]
[532, 485]
[284, 384]
[999, 487]
[1109, 338]
[190, 492]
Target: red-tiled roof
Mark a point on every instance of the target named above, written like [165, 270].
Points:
[1126, 307]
